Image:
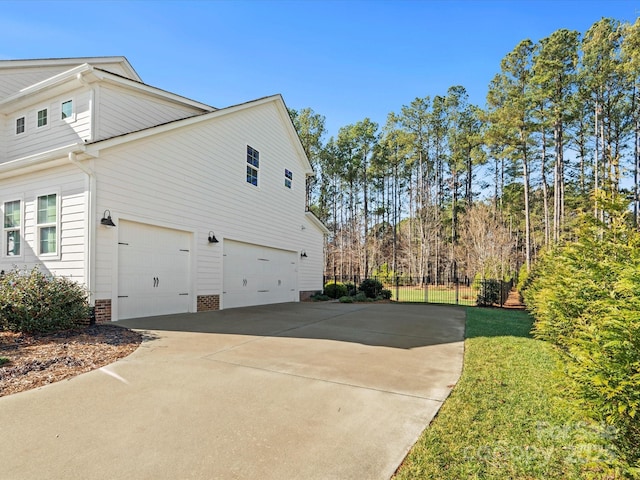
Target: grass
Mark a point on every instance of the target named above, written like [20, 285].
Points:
[509, 415]
[4, 360]
[466, 295]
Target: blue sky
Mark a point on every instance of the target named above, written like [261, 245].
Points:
[345, 59]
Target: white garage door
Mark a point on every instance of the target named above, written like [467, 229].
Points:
[257, 275]
[153, 270]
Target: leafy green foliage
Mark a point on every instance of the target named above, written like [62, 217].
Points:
[586, 299]
[371, 288]
[34, 302]
[510, 416]
[335, 289]
[386, 294]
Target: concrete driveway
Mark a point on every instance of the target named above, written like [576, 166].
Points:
[289, 391]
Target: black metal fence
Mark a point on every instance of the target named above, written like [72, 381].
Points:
[424, 290]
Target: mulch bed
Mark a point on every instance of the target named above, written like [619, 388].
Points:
[40, 359]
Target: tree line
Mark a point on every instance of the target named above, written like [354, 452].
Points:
[450, 190]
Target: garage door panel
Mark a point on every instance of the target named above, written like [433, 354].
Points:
[255, 275]
[153, 270]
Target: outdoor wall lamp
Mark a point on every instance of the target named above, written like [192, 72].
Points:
[212, 238]
[303, 254]
[106, 219]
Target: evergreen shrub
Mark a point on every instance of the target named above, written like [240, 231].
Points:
[371, 288]
[335, 289]
[585, 297]
[33, 302]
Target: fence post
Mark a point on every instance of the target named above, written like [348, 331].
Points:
[397, 288]
[457, 291]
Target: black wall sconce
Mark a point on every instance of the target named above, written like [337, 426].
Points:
[106, 219]
[212, 238]
[303, 254]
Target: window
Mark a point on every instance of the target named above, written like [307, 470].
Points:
[288, 178]
[66, 110]
[253, 165]
[42, 117]
[47, 224]
[12, 223]
[20, 124]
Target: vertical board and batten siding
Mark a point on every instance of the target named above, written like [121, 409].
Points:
[119, 111]
[71, 186]
[194, 178]
[57, 133]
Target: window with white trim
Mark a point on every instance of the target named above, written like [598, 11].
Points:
[66, 110]
[288, 178]
[253, 165]
[12, 224]
[43, 118]
[47, 222]
[20, 125]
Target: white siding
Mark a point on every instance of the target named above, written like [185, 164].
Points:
[121, 111]
[57, 133]
[194, 179]
[12, 80]
[71, 186]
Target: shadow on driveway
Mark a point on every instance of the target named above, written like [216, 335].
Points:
[403, 326]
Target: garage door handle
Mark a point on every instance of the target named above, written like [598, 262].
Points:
[156, 282]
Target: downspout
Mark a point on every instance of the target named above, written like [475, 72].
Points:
[90, 225]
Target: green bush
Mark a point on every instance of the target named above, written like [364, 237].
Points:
[34, 302]
[335, 289]
[351, 288]
[360, 297]
[371, 287]
[346, 299]
[585, 297]
[489, 293]
[385, 294]
[319, 297]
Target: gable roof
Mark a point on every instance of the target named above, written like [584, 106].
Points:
[66, 63]
[84, 74]
[95, 147]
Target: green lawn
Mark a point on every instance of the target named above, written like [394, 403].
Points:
[466, 295]
[508, 417]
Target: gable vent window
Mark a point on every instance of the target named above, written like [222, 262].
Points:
[66, 109]
[42, 117]
[20, 125]
[288, 178]
[253, 165]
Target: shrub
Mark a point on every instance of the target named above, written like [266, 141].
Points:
[346, 299]
[335, 289]
[360, 297]
[34, 302]
[585, 297]
[386, 294]
[489, 293]
[319, 297]
[351, 288]
[371, 288]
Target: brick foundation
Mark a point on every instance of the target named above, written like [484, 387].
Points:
[306, 294]
[103, 311]
[207, 303]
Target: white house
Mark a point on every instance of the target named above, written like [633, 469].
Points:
[157, 203]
